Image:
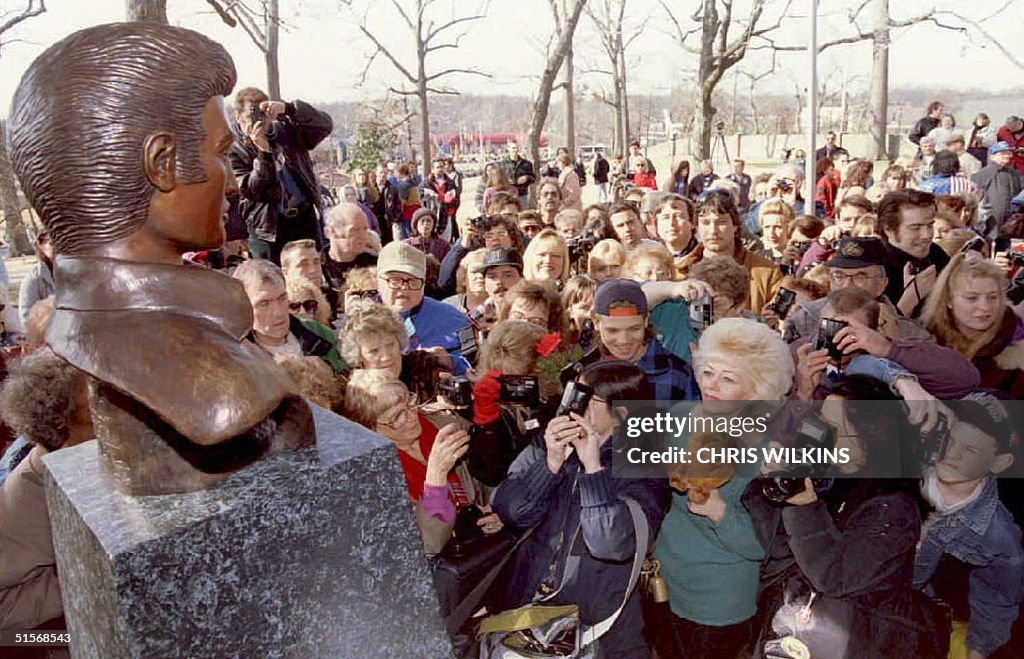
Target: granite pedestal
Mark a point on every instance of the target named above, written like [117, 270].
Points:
[307, 554]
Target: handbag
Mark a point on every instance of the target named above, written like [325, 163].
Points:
[539, 630]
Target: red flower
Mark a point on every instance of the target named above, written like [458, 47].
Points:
[547, 344]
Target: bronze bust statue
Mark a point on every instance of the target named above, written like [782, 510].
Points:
[119, 138]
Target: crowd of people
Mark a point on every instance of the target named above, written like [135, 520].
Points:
[466, 338]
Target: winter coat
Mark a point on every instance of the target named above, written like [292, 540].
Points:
[572, 194]
[297, 132]
[515, 169]
[1016, 141]
[898, 260]
[1001, 361]
[555, 505]
[997, 187]
[923, 126]
[29, 588]
[601, 169]
[853, 547]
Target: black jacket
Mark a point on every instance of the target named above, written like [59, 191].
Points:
[923, 126]
[516, 168]
[896, 262]
[601, 169]
[298, 131]
[854, 548]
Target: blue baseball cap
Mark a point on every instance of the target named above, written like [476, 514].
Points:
[620, 297]
[999, 147]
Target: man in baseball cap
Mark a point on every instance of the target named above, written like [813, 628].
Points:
[621, 320]
[502, 269]
[999, 182]
[860, 262]
[401, 274]
[1012, 133]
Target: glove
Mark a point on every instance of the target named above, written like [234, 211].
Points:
[485, 398]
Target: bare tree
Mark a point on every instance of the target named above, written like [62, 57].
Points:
[9, 202]
[559, 45]
[609, 16]
[147, 11]
[717, 52]
[263, 25]
[879, 33]
[429, 35]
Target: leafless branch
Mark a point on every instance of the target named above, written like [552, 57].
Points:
[384, 51]
[401, 92]
[402, 13]
[450, 71]
[28, 12]
[223, 13]
[1014, 59]
[436, 31]
[681, 35]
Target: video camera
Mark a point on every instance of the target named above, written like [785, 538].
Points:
[783, 302]
[457, 390]
[580, 246]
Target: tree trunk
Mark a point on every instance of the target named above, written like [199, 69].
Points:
[542, 103]
[625, 101]
[273, 73]
[421, 93]
[878, 103]
[703, 111]
[147, 11]
[703, 118]
[9, 198]
[570, 107]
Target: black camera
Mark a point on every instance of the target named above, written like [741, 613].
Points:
[827, 331]
[465, 531]
[701, 314]
[1016, 258]
[458, 390]
[256, 114]
[519, 390]
[575, 399]
[720, 127]
[480, 223]
[783, 302]
[784, 185]
[802, 246]
[935, 441]
[483, 315]
[789, 480]
[976, 244]
[580, 246]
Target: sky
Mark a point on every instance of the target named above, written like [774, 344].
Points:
[323, 53]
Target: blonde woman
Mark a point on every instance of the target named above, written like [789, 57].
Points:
[546, 258]
[650, 263]
[306, 300]
[709, 552]
[967, 310]
[606, 260]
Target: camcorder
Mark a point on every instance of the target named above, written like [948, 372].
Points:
[788, 481]
[827, 331]
[575, 399]
[519, 390]
[457, 390]
[783, 302]
[701, 314]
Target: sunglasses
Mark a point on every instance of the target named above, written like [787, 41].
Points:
[310, 306]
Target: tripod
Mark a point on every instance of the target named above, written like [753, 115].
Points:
[718, 147]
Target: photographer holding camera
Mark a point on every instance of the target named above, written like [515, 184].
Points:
[280, 199]
[513, 397]
[837, 577]
[490, 231]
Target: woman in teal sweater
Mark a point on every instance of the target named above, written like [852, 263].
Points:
[709, 552]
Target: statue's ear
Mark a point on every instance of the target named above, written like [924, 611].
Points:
[158, 159]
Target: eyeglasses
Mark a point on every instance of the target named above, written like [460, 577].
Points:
[402, 416]
[858, 279]
[398, 283]
[496, 235]
[310, 306]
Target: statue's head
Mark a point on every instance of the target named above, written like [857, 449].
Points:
[120, 129]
